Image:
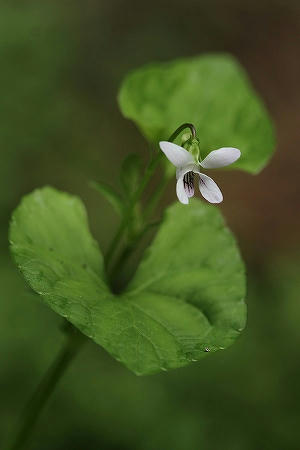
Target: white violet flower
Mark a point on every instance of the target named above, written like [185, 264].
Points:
[186, 166]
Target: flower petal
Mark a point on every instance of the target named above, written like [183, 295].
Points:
[209, 189]
[188, 184]
[180, 191]
[176, 155]
[180, 172]
[221, 157]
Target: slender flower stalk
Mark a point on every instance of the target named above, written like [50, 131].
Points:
[149, 172]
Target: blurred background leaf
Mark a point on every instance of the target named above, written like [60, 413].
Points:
[211, 92]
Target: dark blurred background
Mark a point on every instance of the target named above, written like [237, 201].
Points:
[61, 65]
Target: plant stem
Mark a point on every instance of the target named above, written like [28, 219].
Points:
[147, 177]
[156, 196]
[128, 250]
[180, 129]
[136, 197]
[115, 242]
[44, 390]
[149, 209]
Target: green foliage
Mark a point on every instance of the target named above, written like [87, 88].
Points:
[186, 298]
[110, 195]
[131, 173]
[212, 92]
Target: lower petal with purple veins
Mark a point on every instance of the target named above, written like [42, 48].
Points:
[188, 184]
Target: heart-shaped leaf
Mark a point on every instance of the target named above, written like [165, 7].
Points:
[186, 298]
[211, 91]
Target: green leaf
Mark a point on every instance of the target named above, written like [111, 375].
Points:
[211, 91]
[186, 298]
[131, 173]
[110, 195]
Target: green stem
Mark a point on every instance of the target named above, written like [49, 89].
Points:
[147, 177]
[180, 129]
[115, 242]
[136, 197]
[129, 249]
[44, 390]
[150, 207]
[155, 198]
